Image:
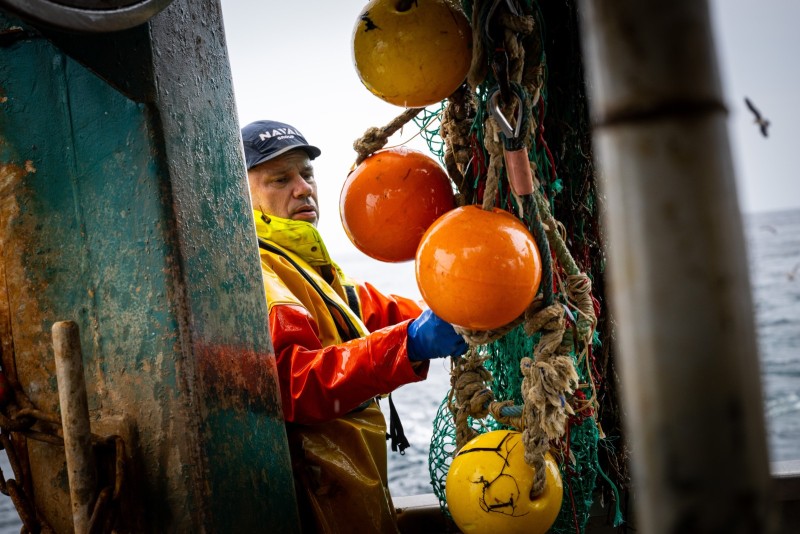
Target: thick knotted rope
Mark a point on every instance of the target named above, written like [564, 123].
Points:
[579, 286]
[579, 291]
[470, 395]
[484, 337]
[494, 146]
[549, 380]
[480, 65]
[546, 385]
[375, 139]
[506, 413]
[455, 131]
[491, 22]
[515, 28]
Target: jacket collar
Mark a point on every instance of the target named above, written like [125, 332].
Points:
[300, 237]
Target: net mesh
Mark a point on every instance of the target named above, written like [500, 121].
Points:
[562, 216]
[577, 450]
[429, 121]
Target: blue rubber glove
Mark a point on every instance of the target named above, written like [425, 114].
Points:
[432, 337]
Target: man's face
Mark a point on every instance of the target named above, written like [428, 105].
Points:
[285, 187]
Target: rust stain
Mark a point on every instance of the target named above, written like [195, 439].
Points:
[25, 343]
[49, 476]
[10, 175]
[237, 378]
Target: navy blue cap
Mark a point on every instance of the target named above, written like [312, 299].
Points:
[264, 140]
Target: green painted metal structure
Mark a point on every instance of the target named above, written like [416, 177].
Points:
[124, 207]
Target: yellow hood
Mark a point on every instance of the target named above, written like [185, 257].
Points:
[301, 237]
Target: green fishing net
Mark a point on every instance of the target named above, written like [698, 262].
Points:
[577, 451]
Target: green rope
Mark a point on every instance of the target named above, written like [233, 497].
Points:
[618, 519]
[542, 243]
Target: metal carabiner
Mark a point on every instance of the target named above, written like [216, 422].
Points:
[518, 167]
[511, 132]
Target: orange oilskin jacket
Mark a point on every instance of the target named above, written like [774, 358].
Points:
[338, 345]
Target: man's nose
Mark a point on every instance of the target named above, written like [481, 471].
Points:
[302, 188]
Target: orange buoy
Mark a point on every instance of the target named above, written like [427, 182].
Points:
[390, 200]
[488, 487]
[478, 269]
[412, 54]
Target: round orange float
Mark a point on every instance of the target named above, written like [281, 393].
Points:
[390, 200]
[412, 54]
[488, 487]
[478, 269]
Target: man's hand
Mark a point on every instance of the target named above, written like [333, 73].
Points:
[431, 337]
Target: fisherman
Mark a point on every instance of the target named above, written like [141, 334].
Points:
[338, 344]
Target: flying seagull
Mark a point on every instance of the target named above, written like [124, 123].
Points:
[791, 274]
[761, 121]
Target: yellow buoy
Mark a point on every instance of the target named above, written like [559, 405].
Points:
[412, 54]
[488, 488]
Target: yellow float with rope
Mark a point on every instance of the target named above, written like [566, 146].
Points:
[489, 487]
[410, 53]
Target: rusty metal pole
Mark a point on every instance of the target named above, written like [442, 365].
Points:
[678, 269]
[81, 470]
[180, 316]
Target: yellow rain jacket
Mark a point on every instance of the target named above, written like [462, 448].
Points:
[338, 345]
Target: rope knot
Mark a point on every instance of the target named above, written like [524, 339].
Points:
[469, 394]
[375, 139]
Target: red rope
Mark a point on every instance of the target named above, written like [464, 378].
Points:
[543, 143]
[478, 167]
[598, 378]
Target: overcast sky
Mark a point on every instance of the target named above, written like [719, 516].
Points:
[292, 61]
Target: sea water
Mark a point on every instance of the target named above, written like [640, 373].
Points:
[774, 253]
[774, 258]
